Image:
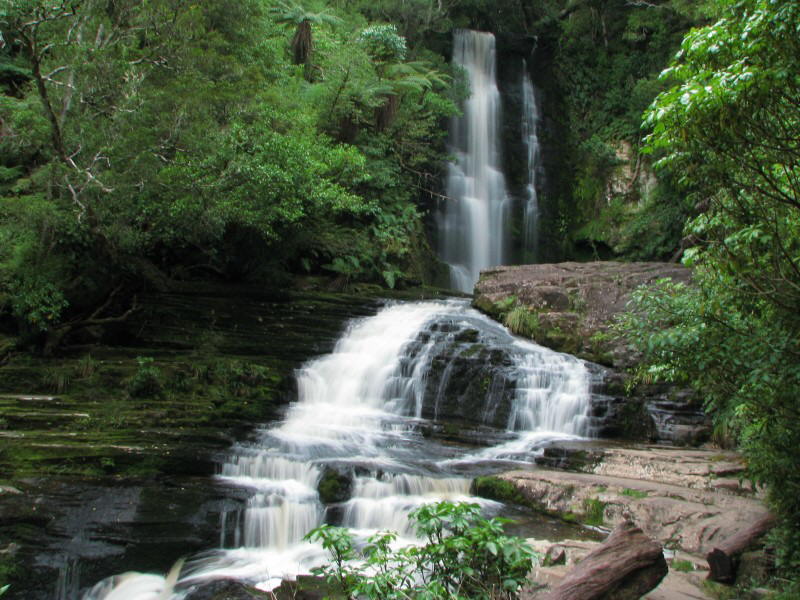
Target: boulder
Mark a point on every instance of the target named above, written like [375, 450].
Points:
[226, 589]
[574, 303]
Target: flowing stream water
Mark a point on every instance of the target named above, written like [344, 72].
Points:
[361, 411]
[474, 227]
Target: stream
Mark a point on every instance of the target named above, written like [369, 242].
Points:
[369, 411]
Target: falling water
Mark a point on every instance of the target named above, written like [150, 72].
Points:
[530, 137]
[359, 412]
[474, 224]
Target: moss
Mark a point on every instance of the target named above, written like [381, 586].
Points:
[467, 335]
[498, 489]
[9, 566]
[720, 591]
[334, 487]
[472, 351]
[569, 517]
[639, 494]
[560, 340]
[99, 427]
[483, 304]
[683, 566]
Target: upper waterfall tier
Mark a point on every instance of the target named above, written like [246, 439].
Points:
[474, 223]
[530, 137]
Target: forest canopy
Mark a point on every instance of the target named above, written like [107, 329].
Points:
[150, 141]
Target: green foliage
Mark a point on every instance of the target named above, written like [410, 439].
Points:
[463, 556]
[56, 379]
[638, 494]
[606, 61]
[729, 131]
[179, 140]
[383, 43]
[87, 366]
[522, 321]
[683, 566]
[594, 510]
[147, 381]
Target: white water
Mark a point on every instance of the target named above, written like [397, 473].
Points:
[360, 407]
[474, 224]
[530, 137]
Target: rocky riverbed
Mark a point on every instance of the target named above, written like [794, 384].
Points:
[688, 500]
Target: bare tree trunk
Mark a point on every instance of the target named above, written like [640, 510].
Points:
[625, 567]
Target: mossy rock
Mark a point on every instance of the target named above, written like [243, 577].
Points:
[334, 487]
[495, 488]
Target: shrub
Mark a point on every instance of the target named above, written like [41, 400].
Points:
[463, 556]
[147, 381]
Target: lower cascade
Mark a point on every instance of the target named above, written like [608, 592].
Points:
[366, 418]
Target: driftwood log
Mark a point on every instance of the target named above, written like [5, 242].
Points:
[625, 567]
[723, 560]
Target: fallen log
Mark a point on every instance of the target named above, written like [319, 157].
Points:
[625, 567]
[723, 560]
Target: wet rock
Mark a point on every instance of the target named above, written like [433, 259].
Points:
[470, 377]
[573, 306]
[569, 456]
[334, 486]
[226, 589]
[669, 493]
[555, 555]
[306, 587]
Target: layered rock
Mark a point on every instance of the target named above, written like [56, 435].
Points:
[687, 499]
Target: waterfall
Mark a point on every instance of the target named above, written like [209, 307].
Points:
[474, 223]
[530, 137]
[359, 412]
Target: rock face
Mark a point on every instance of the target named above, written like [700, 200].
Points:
[574, 303]
[570, 307]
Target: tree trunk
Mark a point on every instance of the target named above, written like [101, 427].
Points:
[386, 113]
[625, 567]
[723, 560]
[302, 43]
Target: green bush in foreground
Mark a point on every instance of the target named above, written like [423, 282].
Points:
[463, 556]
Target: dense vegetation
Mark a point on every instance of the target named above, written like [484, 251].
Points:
[147, 142]
[729, 129]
